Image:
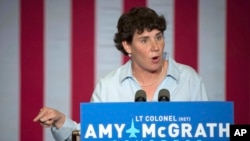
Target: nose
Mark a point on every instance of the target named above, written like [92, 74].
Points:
[154, 46]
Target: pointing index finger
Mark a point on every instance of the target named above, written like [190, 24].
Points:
[40, 116]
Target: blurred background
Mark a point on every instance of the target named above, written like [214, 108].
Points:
[52, 52]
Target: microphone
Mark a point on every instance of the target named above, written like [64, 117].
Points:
[163, 95]
[140, 96]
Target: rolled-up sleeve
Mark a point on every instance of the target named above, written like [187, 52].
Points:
[64, 133]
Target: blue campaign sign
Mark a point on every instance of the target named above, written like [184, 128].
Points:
[156, 121]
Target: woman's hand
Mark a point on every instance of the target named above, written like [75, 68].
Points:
[49, 117]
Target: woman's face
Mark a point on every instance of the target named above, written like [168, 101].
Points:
[146, 50]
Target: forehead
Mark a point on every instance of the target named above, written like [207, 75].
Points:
[147, 33]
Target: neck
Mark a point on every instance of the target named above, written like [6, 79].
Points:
[149, 79]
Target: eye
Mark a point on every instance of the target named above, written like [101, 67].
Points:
[159, 37]
[143, 41]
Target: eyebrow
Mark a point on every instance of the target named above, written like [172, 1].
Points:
[145, 37]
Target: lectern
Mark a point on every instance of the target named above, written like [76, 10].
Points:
[156, 121]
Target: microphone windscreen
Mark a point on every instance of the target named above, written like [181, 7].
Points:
[163, 95]
[140, 96]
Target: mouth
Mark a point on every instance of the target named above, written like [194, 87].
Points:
[155, 59]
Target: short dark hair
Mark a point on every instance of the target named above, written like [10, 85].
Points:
[137, 19]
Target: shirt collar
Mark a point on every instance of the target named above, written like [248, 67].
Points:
[173, 71]
[126, 71]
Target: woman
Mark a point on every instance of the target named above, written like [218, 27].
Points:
[140, 35]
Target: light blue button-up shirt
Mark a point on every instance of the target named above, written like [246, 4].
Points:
[182, 81]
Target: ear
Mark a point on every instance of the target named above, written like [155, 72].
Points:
[126, 47]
